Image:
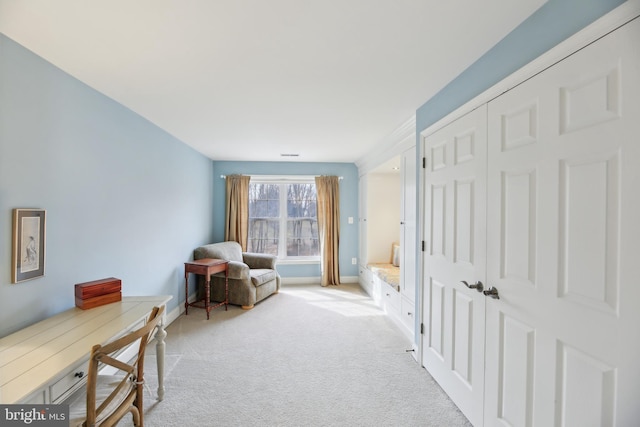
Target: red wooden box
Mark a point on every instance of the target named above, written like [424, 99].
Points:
[98, 292]
[98, 287]
[98, 301]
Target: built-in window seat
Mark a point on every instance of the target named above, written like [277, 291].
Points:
[381, 280]
[387, 272]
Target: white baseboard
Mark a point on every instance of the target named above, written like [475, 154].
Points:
[299, 280]
[415, 349]
[176, 312]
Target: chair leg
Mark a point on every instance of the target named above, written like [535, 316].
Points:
[138, 404]
[247, 307]
[136, 416]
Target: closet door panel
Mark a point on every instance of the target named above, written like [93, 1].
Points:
[515, 385]
[518, 213]
[590, 277]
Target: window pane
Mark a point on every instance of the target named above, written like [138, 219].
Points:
[264, 212]
[302, 237]
[264, 201]
[263, 236]
[301, 201]
[302, 227]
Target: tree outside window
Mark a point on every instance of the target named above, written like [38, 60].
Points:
[283, 219]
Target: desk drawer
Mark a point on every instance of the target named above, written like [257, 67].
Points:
[69, 383]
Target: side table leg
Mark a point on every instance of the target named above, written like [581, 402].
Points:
[186, 293]
[226, 288]
[160, 348]
[207, 295]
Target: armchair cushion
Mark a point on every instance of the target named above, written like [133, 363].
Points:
[260, 276]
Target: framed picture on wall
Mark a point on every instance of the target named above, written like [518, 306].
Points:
[28, 244]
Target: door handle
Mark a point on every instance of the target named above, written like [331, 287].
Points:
[478, 286]
[492, 292]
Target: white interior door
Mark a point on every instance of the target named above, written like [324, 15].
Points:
[455, 204]
[408, 225]
[562, 342]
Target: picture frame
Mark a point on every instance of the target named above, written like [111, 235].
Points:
[28, 248]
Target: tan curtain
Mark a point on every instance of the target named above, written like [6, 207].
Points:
[237, 209]
[328, 191]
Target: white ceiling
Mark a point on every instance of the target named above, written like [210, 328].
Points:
[252, 79]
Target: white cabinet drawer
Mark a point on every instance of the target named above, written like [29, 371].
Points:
[407, 314]
[390, 298]
[61, 389]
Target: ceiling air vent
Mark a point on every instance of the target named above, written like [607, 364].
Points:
[289, 155]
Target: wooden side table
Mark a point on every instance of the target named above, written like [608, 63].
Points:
[206, 267]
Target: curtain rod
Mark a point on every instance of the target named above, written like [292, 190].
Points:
[284, 177]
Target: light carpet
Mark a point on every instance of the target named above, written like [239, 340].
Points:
[308, 356]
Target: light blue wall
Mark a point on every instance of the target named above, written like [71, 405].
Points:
[123, 198]
[348, 206]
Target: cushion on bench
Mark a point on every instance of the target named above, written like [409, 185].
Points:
[387, 272]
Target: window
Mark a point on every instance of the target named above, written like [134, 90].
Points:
[282, 218]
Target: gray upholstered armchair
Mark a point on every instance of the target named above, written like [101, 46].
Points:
[252, 276]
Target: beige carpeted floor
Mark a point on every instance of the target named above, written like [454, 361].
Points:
[308, 356]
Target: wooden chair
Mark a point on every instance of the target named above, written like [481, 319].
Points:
[110, 397]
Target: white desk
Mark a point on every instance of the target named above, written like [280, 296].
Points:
[46, 362]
